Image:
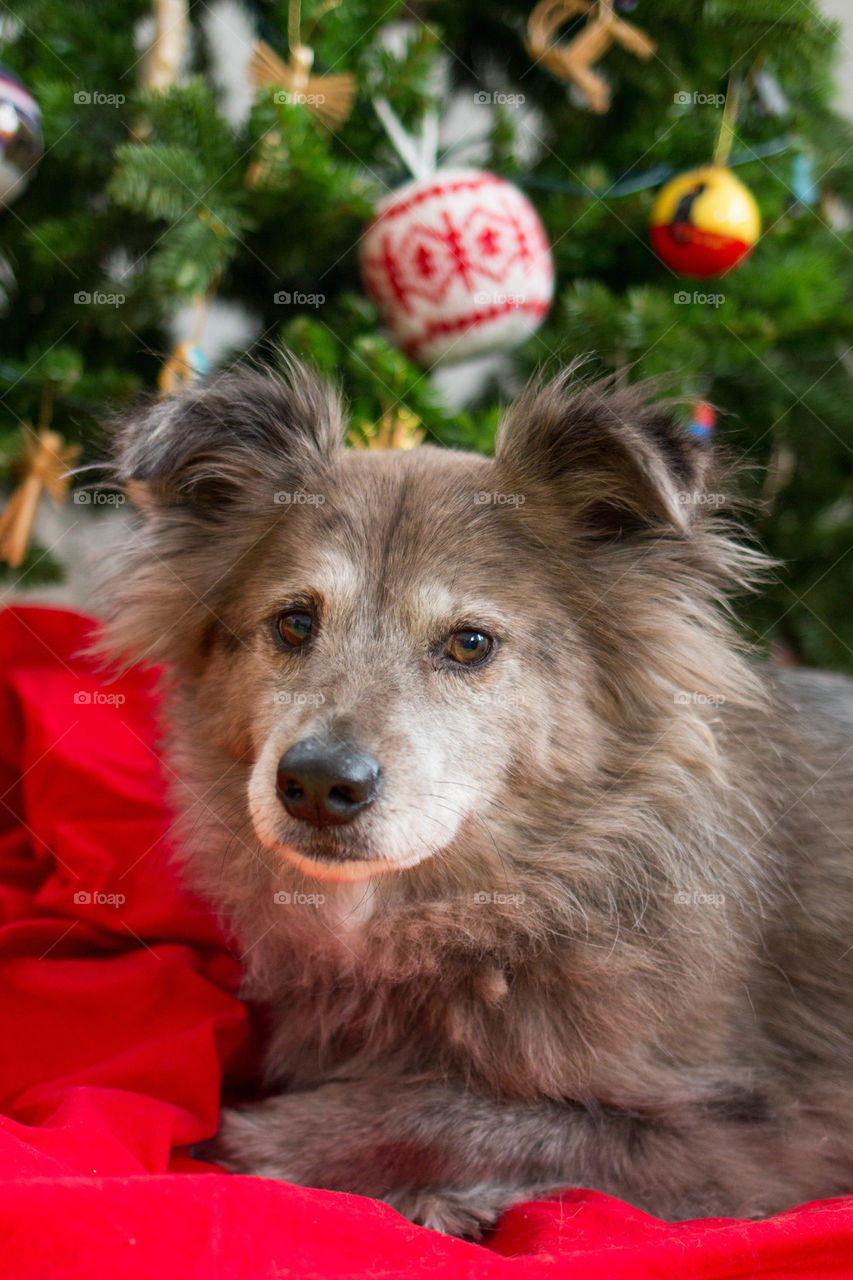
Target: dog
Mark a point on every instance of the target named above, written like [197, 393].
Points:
[544, 879]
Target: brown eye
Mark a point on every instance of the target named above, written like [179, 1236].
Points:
[293, 627]
[469, 646]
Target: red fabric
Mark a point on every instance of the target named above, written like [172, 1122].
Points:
[119, 1018]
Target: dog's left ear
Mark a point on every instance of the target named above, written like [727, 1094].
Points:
[612, 460]
[209, 448]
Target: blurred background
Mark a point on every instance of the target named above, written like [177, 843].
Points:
[185, 183]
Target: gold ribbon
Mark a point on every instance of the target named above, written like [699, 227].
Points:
[47, 460]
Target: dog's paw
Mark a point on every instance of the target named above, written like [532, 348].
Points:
[468, 1212]
[244, 1144]
[218, 1149]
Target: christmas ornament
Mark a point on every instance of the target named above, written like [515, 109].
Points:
[329, 97]
[458, 263]
[703, 420]
[47, 461]
[168, 48]
[185, 366]
[187, 363]
[398, 428]
[21, 141]
[803, 184]
[573, 61]
[704, 222]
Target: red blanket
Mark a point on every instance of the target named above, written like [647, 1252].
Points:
[119, 1020]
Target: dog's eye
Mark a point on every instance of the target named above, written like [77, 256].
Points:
[293, 627]
[469, 646]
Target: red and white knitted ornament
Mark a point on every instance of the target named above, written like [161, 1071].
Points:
[458, 263]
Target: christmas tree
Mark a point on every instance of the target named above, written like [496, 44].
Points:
[160, 188]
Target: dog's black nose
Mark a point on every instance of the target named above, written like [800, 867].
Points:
[326, 783]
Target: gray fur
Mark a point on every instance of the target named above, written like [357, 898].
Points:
[605, 938]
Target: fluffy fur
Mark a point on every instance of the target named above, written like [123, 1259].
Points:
[595, 930]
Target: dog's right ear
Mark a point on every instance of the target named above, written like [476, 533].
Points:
[607, 458]
[207, 449]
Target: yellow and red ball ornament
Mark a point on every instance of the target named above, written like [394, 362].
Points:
[704, 222]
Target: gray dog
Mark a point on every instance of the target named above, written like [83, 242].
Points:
[545, 881]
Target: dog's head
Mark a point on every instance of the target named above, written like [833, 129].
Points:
[402, 651]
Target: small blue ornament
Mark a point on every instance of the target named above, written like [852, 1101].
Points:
[185, 366]
[802, 179]
[702, 423]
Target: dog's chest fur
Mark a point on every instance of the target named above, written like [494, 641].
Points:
[513, 1019]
